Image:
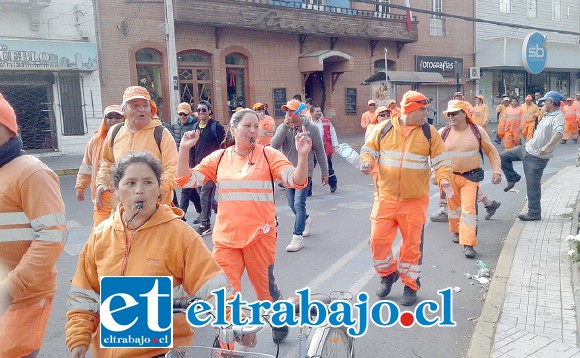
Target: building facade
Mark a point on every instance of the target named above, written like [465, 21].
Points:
[501, 51]
[239, 52]
[49, 72]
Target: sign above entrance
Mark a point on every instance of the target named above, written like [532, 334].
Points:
[534, 52]
[446, 66]
[47, 55]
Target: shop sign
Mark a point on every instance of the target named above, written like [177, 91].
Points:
[446, 66]
[534, 53]
[47, 55]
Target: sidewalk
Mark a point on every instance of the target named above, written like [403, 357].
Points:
[530, 309]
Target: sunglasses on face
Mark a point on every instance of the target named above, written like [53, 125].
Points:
[382, 115]
[114, 115]
[203, 110]
[425, 101]
[183, 114]
[260, 109]
[372, 104]
[453, 114]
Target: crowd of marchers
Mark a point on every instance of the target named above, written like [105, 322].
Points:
[134, 162]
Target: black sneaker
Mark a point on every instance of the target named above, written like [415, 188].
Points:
[197, 220]
[510, 185]
[491, 209]
[409, 296]
[203, 230]
[528, 217]
[279, 334]
[469, 252]
[455, 238]
[384, 287]
[333, 189]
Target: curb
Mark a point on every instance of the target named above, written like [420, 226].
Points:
[61, 172]
[575, 268]
[483, 335]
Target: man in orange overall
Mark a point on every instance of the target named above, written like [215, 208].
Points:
[480, 112]
[404, 147]
[465, 142]
[500, 111]
[368, 116]
[531, 114]
[87, 175]
[266, 124]
[33, 232]
[513, 117]
[576, 102]
[571, 116]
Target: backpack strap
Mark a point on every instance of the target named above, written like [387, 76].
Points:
[445, 132]
[425, 127]
[157, 134]
[271, 177]
[214, 130]
[218, 164]
[114, 132]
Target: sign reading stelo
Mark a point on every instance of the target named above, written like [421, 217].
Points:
[534, 53]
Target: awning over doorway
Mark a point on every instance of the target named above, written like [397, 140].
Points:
[406, 77]
[316, 61]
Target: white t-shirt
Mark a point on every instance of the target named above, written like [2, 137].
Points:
[551, 124]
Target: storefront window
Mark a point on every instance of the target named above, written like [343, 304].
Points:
[509, 83]
[149, 66]
[195, 79]
[236, 77]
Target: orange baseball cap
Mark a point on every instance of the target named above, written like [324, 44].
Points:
[113, 108]
[371, 101]
[568, 99]
[412, 101]
[529, 98]
[184, 107]
[238, 109]
[135, 92]
[456, 105]
[7, 115]
[292, 105]
[259, 105]
[382, 109]
[480, 97]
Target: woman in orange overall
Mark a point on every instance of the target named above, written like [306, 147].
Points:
[244, 236]
[513, 117]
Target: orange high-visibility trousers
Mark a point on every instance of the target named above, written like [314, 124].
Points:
[409, 216]
[257, 259]
[511, 139]
[22, 329]
[462, 210]
[528, 130]
[570, 127]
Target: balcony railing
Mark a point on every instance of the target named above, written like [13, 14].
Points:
[361, 20]
[315, 5]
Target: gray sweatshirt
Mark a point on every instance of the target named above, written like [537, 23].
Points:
[284, 141]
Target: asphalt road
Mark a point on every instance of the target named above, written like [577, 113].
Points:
[337, 257]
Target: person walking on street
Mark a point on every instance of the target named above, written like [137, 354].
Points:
[245, 233]
[139, 132]
[576, 102]
[330, 141]
[571, 117]
[404, 146]
[267, 124]
[500, 111]
[535, 155]
[368, 116]
[32, 237]
[87, 174]
[431, 112]
[465, 142]
[186, 121]
[531, 114]
[480, 112]
[211, 136]
[284, 141]
[511, 124]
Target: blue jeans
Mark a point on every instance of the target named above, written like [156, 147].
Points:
[297, 202]
[533, 170]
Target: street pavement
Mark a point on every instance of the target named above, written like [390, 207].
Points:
[337, 257]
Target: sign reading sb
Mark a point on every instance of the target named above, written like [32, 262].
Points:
[534, 53]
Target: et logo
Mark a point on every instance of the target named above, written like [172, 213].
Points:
[136, 312]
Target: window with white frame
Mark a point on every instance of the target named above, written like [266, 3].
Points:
[531, 8]
[505, 6]
[556, 10]
[436, 22]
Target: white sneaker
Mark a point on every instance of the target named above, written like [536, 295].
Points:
[296, 244]
[307, 226]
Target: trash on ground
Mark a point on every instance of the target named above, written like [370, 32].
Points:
[456, 289]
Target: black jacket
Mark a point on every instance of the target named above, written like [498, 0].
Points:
[208, 142]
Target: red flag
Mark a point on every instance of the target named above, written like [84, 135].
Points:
[408, 17]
